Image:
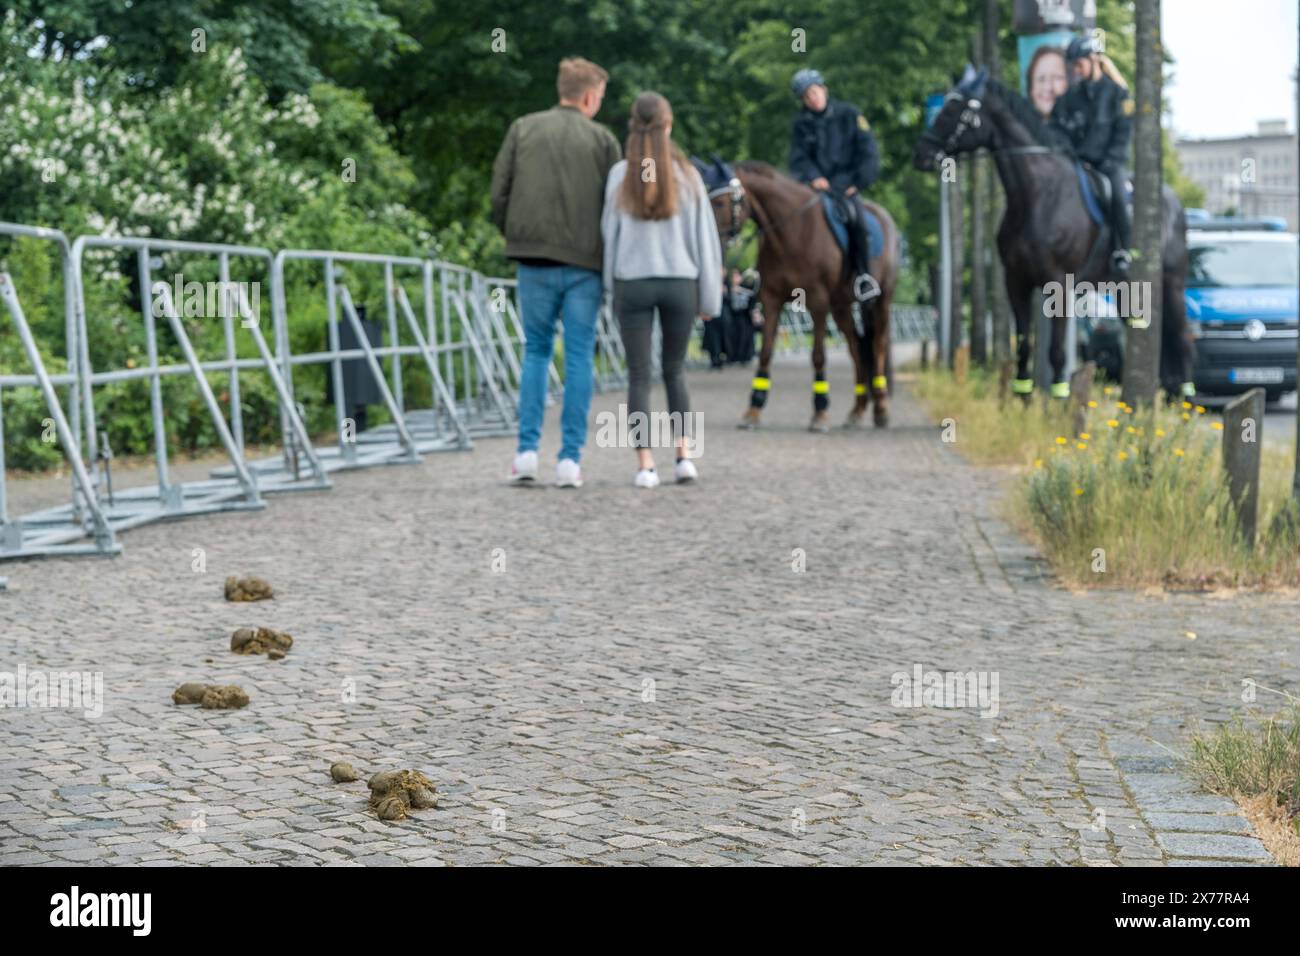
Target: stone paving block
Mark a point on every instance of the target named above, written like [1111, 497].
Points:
[524, 691]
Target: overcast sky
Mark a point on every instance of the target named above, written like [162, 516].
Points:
[1233, 64]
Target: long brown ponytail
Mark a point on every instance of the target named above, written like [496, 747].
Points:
[650, 183]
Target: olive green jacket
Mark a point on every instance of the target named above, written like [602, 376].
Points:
[548, 186]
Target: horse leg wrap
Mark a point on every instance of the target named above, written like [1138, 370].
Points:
[1189, 389]
[1022, 386]
[758, 393]
[821, 392]
[1060, 390]
[859, 389]
[880, 383]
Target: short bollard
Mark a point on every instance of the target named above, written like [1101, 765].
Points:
[1243, 422]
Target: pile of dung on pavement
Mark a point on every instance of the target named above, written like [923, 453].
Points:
[395, 793]
[344, 772]
[211, 696]
[261, 640]
[248, 589]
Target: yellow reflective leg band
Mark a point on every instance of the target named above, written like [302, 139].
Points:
[859, 389]
[821, 388]
[1022, 386]
[1060, 390]
[760, 385]
[879, 382]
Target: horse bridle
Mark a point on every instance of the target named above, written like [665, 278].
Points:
[735, 191]
[970, 119]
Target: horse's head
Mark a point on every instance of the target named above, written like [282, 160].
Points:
[960, 127]
[726, 196]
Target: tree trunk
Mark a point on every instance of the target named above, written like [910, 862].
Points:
[1142, 338]
[979, 234]
[1295, 481]
[1001, 325]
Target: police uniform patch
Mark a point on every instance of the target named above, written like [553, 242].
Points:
[862, 123]
[1128, 107]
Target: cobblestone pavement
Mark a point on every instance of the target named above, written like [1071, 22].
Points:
[648, 680]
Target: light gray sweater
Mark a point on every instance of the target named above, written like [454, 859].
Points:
[683, 247]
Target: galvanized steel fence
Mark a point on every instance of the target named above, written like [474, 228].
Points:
[459, 332]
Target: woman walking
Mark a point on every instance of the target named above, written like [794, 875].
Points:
[661, 254]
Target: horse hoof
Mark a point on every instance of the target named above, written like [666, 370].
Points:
[749, 421]
[854, 420]
[881, 417]
[820, 424]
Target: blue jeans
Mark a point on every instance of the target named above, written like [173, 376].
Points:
[548, 293]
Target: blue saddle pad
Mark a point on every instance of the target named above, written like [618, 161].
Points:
[1089, 196]
[875, 234]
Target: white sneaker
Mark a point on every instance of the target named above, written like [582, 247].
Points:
[568, 474]
[647, 478]
[524, 468]
[686, 471]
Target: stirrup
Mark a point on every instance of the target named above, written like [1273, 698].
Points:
[865, 287]
[1121, 260]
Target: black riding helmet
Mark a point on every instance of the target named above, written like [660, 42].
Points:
[1081, 47]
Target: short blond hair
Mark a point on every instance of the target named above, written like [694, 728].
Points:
[577, 76]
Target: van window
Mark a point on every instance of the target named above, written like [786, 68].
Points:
[1241, 263]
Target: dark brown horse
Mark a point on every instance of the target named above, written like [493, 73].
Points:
[800, 262]
[1047, 236]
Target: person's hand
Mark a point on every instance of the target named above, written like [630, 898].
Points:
[851, 191]
[705, 318]
[821, 182]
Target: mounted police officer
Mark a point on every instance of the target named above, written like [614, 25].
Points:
[833, 149]
[1097, 115]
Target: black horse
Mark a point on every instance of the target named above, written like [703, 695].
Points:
[1046, 234]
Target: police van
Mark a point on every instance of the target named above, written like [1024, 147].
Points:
[1242, 305]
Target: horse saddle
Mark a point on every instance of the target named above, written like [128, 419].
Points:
[1095, 186]
[848, 219]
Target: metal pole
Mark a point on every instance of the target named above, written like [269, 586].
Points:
[232, 385]
[347, 448]
[390, 303]
[945, 278]
[155, 380]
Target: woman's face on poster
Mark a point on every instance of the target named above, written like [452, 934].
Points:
[1048, 81]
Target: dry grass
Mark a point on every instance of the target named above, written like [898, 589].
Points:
[1138, 500]
[1258, 765]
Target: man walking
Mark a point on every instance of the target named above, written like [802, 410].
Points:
[548, 191]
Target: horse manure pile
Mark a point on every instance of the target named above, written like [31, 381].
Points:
[248, 589]
[395, 793]
[344, 772]
[261, 640]
[211, 696]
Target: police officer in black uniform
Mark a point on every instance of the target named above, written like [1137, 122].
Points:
[832, 147]
[1097, 115]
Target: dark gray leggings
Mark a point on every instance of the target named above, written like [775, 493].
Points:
[635, 302]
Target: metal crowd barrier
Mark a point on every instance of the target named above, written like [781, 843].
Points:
[463, 329]
[81, 528]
